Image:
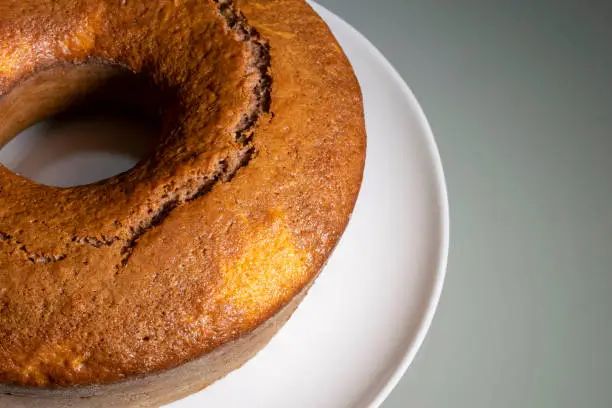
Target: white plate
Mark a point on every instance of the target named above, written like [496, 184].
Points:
[357, 331]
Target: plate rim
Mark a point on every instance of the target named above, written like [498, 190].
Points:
[416, 342]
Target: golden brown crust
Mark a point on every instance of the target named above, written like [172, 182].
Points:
[159, 388]
[94, 288]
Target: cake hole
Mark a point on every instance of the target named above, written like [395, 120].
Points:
[78, 125]
[78, 150]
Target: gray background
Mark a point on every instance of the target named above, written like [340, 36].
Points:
[519, 95]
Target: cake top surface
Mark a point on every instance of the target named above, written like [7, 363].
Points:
[254, 177]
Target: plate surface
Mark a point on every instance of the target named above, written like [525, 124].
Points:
[361, 324]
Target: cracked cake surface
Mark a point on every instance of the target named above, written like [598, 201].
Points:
[254, 175]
